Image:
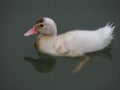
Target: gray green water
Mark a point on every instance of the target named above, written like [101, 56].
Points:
[20, 71]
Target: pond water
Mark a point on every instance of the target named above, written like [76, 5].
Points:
[22, 68]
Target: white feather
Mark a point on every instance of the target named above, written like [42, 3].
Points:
[73, 43]
[82, 41]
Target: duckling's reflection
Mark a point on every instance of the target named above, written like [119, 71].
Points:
[44, 63]
[105, 52]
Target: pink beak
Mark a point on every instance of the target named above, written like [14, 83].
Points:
[32, 31]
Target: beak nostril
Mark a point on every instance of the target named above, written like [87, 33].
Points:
[35, 29]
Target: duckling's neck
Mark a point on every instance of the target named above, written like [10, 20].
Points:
[44, 43]
[47, 36]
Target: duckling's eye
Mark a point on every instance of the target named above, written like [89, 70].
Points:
[41, 25]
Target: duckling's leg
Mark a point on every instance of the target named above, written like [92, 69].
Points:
[81, 64]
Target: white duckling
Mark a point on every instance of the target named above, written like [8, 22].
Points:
[71, 44]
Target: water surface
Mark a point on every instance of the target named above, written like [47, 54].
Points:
[23, 69]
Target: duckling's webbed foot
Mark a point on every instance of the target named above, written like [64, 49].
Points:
[81, 64]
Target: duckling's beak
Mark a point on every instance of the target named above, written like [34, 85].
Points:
[32, 31]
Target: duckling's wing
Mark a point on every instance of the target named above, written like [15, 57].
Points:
[60, 45]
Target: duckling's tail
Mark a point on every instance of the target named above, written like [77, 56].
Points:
[108, 29]
[107, 33]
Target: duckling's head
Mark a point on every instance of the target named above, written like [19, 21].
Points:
[44, 26]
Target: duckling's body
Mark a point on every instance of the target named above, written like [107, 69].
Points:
[73, 43]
